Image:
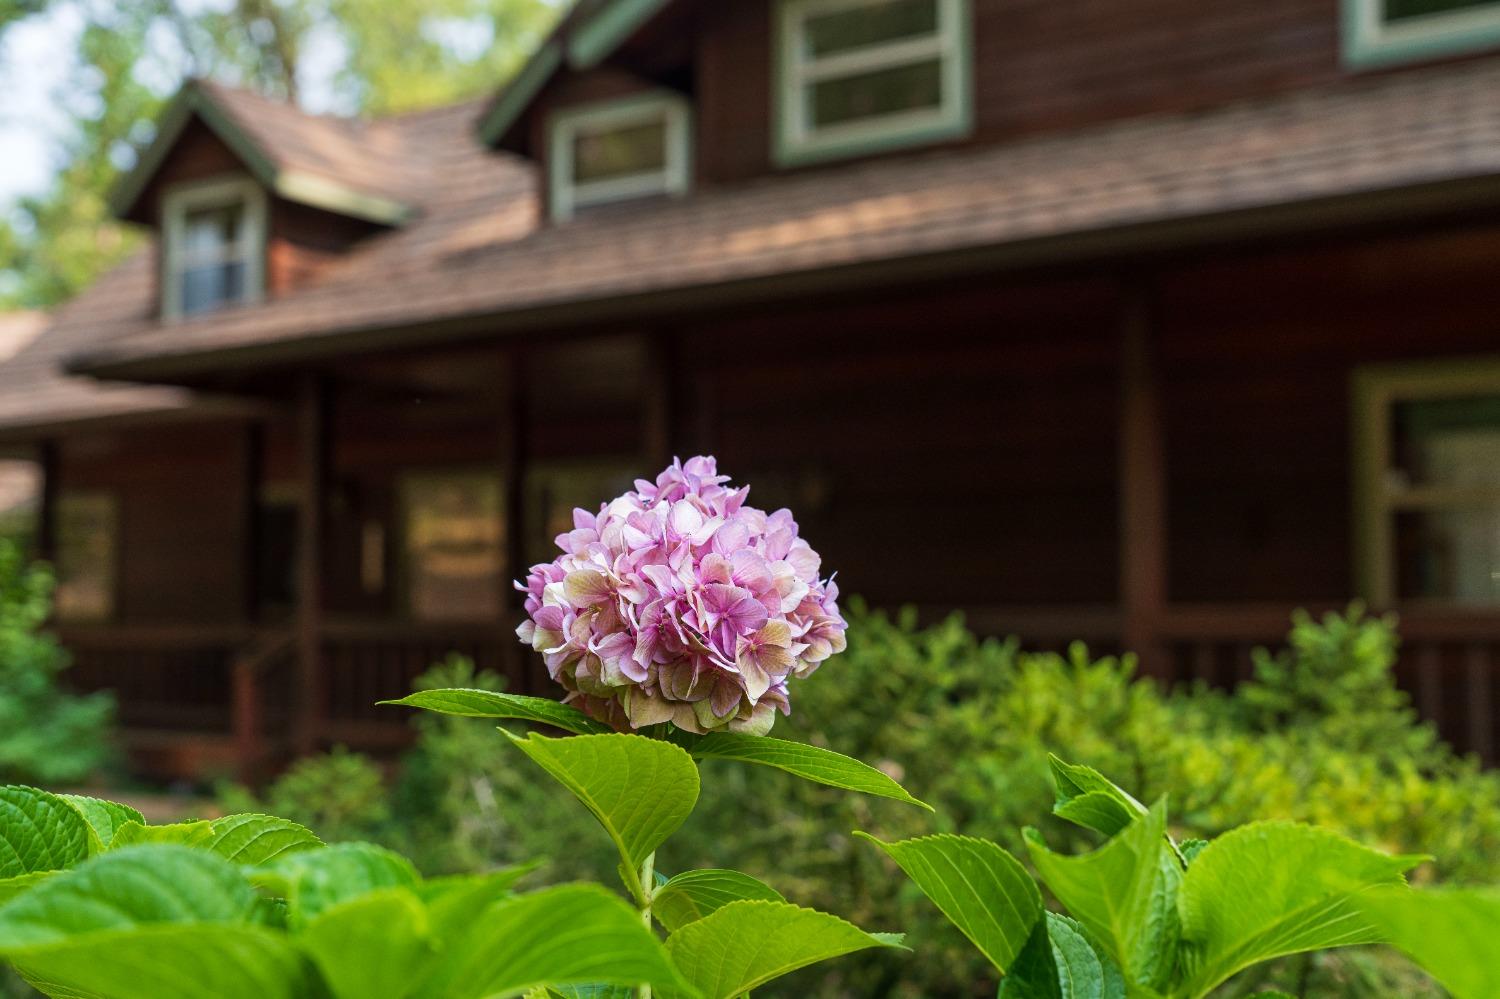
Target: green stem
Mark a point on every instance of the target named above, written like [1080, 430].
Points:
[648, 889]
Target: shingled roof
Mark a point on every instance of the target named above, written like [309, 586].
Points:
[1171, 177]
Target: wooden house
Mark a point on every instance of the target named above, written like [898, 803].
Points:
[1142, 322]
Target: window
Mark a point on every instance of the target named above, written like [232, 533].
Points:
[215, 246]
[858, 76]
[454, 546]
[88, 526]
[631, 148]
[1380, 32]
[1428, 484]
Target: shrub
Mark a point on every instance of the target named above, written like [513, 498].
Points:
[46, 735]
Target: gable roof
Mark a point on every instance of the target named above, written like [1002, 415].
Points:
[1371, 149]
[341, 165]
[585, 37]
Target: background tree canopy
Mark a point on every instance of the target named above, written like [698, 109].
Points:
[368, 57]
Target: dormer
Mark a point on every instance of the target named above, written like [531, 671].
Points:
[251, 198]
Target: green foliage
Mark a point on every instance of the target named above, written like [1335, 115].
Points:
[1173, 930]
[47, 736]
[813, 763]
[1453, 933]
[690, 896]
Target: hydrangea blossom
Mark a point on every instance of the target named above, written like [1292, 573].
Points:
[680, 603]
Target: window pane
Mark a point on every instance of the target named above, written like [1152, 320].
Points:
[454, 548]
[620, 152]
[87, 539]
[874, 24]
[917, 87]
[1448, 443]
[1451, 555]
[1404, 10]
[207, 288]
[211, 233]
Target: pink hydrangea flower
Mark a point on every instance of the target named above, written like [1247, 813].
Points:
[679, 603]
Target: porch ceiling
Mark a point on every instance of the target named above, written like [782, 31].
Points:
[1373, 149]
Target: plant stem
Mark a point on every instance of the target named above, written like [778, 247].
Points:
[648, 888]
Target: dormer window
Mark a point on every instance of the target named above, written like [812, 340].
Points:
[621, 150]
[1380, 32]
[215, 246]
[861, 76]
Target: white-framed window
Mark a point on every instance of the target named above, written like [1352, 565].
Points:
[860, 76]
[1427, 483]
[1381, 32]
[635, 147]
[215, 245]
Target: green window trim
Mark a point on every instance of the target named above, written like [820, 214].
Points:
[566, 195]
[1369, 41]
[179, 201]
[1375, 391]
[795, 144]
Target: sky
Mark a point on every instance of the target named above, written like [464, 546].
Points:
[34, 63]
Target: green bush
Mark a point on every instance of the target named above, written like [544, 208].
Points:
[46, 735]
[1320, 734]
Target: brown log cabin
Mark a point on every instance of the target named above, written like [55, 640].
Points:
[1142, 322]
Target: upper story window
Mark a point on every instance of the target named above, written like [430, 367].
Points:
[215, 247]
[636, 147]
[1428, 483]
[1379, 32]
[859, 76]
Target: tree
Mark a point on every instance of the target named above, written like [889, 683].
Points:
[353, 56]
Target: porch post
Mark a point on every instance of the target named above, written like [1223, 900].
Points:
[1142, 459]
[46, 515]
[515, 661]
[659, 402]
[313, 432]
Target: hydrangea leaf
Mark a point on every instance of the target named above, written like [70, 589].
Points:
[576, 935]
[455, 902]
[1060, 962]
[982, 889]
[39, 832]
[103, 817]
[694, 894]
[1087, 798]
[823, 766]
[364, 946]
[1264, 890]
[258, 839]
[203, 961]
[744, 945]
[179, 833]
[1453, 933]
[590, 992]
[492, 704]
[1124, 894]
[11, 887]
[314, 881]
[641, 790]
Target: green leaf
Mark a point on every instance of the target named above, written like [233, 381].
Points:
[39, 832]
[692, 895]
[103, 817]
[592, 992]
[313, 881]
[1124, 894]
[124, 890]
[1263, 891]
[641, 790]
[1453, 933]
[821, 766]
[202, 961]
[1060, 962]
[1191, 848]
[576, 935]
[455, 902]
[179, 833]
[11, 887]
[984, 890]
[258, 839]
[744, 945]
[491, 704]
[370, 945]
[1087, 798]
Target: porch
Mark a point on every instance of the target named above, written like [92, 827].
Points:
[1167, 460]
